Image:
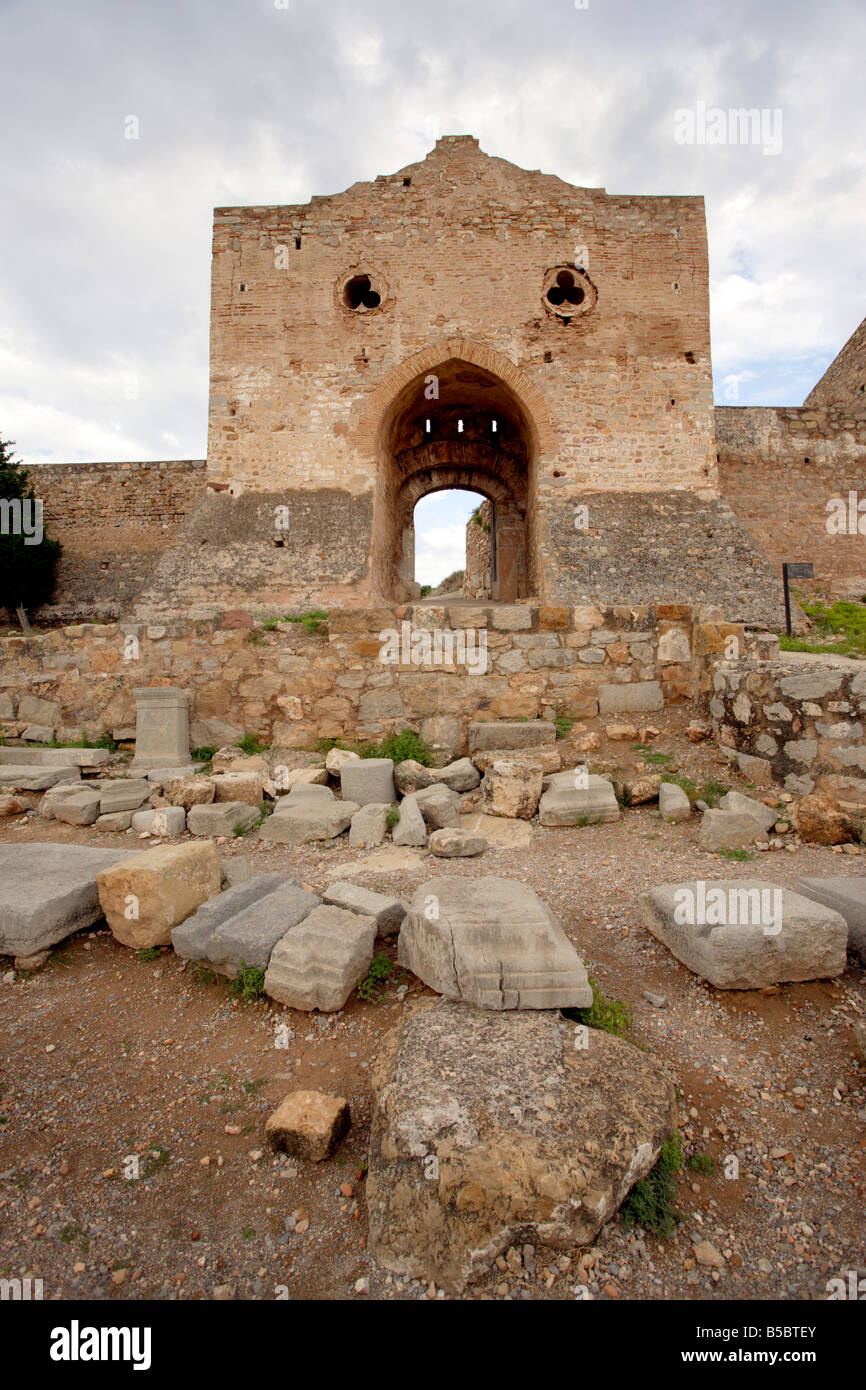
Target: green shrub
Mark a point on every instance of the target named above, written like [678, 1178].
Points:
[610, 1015]
[399, 747]
[688, 786]
[249, 983]
[250, 744]
[392, 817]
[702, 1163]
[713, 791]
[742, 856]
[270, 624]
[203, 755]
[650, 1203]
[314, 623]
[564, 725]
[370, 986]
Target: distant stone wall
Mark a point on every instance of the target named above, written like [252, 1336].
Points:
[844, 382]
[778, 469]
[476, 580]
[292, 688]
[804, 721]
[113, 520]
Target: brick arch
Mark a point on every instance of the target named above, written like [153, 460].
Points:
[527, 395]
[473, 379]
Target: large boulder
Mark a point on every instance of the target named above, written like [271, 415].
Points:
[674, 805]
[369, 826]
[316, 965]
[145, 895]
[410, 776]
[490, 1128]
[736, 804]
[459, 776]
[512, 790]
[746, 933]
[47, 892]
[821, 822]
[576, 798]
[491, 942]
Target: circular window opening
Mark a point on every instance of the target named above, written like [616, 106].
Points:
[567, 291]
[359, 294]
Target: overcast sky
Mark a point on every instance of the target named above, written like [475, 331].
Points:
[104, 276]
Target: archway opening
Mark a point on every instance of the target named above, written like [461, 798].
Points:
[458, 426]
[446, 543]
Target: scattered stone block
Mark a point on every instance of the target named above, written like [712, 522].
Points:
[548, 759]
[512, 790]
[369, 826]
[410, 828]
[621, 733]
[459, 776]
[511, 734]
[79, 808]
[566, 801]
[514, 834]
[161, 727]
[189, 791]
[11, 806]
[728, 830]
[221, 818]
[161, 821]
[308, 1124]
[493, 943]
[38, 733]
[316, 965]
[674, 805]
[23, 777]
[238, 786]
[248, 937]
[368, 779]
[643, 789]
[337, 757]
[304, 791]
[746, 933]
[235, 869]
[56, 757]
[123, 794]
[438, 806]
[47, 892]
[847, 896]
[636, 697]
[388, 913]
[410, 776]
[456, 844]
[307, 820]
[524, 1129]
[145, 895]
[114, 821]
[191, 938]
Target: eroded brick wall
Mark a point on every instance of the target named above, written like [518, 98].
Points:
[114, 520]
[844, 382]
[779, 467]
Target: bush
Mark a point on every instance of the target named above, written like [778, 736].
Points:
[610, 1015]
[651, 1201]
[27, 571]
[399, 747]
[250, 744]
[370, 986]
[564, 725]
[313, 623]
[249, 983]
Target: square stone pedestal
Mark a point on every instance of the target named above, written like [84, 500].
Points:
[161, 728]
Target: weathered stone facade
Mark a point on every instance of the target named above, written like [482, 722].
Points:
[803, 721]
[292, 688]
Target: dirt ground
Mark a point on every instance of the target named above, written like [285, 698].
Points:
[106, 1057]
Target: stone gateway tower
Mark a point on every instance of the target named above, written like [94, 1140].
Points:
[462, 323]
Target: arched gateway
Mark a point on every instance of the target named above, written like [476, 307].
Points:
[453, 419]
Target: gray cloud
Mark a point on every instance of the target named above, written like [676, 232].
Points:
[104, 281]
